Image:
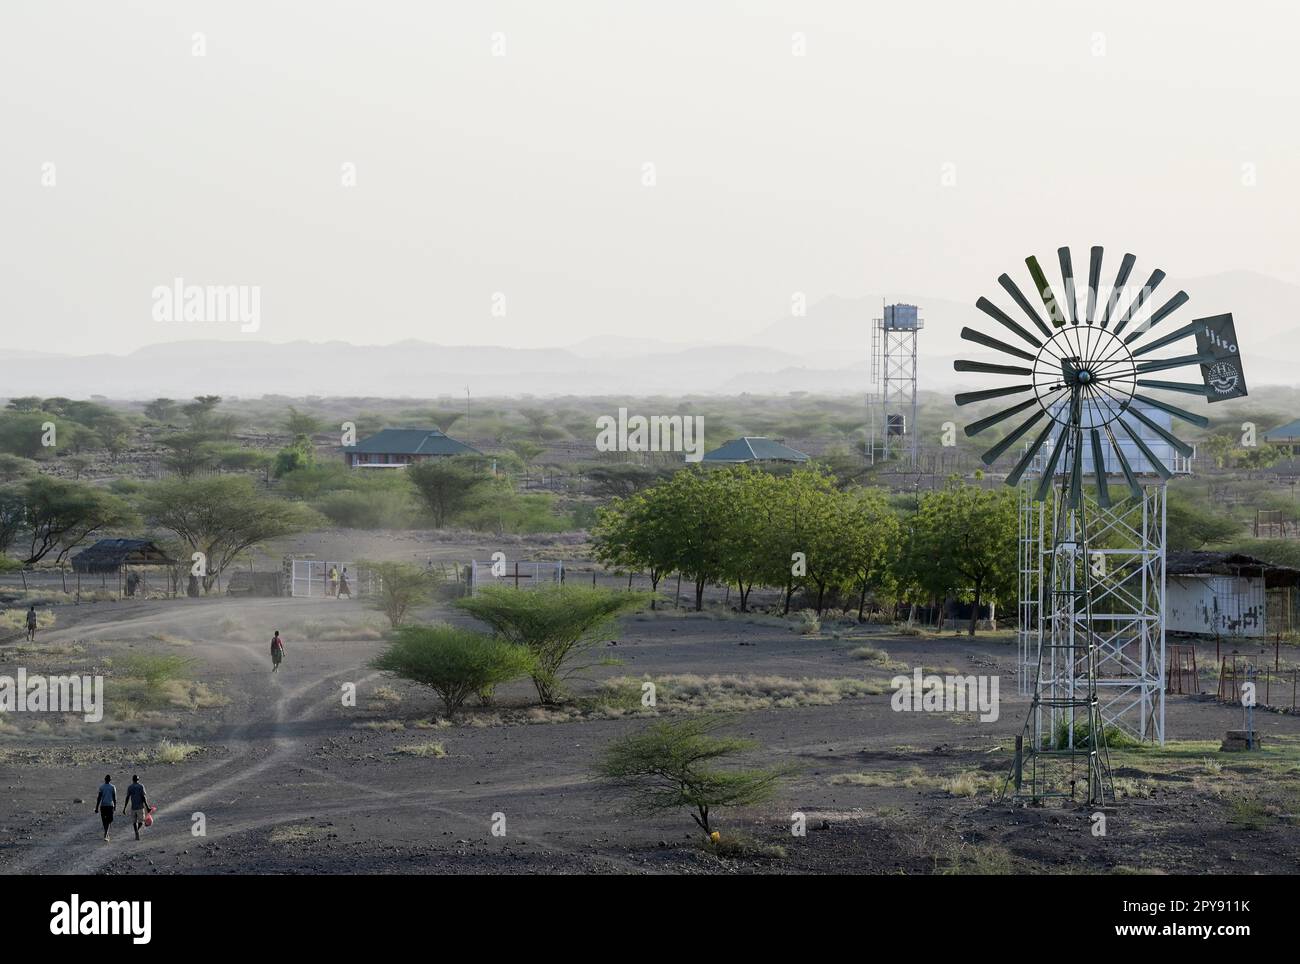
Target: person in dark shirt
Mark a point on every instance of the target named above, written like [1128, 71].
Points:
[138, 802]
[106, 802]
[31, 623]
[277, 651]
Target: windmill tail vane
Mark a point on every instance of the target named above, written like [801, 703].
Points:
[1082, 370]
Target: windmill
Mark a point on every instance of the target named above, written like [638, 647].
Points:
[1088, 407]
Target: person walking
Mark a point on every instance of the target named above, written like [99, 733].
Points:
[277, 651]
[344, 589]
[138, 802]
[332, 587]
[106, 802]
[31, 624]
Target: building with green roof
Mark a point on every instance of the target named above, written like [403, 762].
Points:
[753, 448]
[395, 448]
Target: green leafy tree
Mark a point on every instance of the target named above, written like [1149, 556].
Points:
[622, 479]
[455, 663]
[294, 457]
[674, 765]
[301, 423]
[633, 536]
[24, 434]
[15, 467]
[221, 516]
[201, 410]
[447, 485]
[871, 537]
[13, 514]
[162, 410]
[744, 495]
[401, 587]
[555, 623]
[1189, 526]
[59, 516]
[966, 536]
[189, 453]
[696, 518]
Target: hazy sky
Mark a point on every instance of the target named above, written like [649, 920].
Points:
[1135, 125]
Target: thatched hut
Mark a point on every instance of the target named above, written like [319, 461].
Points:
[129, 561]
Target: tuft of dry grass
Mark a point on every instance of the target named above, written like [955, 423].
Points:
[736, 692]
[385, 726]
[166, 751]
[436, 750]
[297, 833]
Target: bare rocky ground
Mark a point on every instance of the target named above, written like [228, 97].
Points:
[290, 780]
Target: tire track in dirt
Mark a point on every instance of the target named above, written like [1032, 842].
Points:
[243, 743]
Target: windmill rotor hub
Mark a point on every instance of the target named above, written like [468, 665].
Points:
[1087, 364]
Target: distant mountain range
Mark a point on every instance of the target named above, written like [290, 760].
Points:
[825, 351]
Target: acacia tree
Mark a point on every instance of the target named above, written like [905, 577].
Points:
[59, 516]
[671, 765]
[301, 423]
[189, 452]
[966, 536]
[455, 663]
[554, 623]
[447, 485]
[161, 409]
[402, 586]
[221, 517]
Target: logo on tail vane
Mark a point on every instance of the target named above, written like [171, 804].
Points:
[1223, 377]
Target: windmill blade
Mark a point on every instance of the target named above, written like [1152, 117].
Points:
[1198, 420]
[1099, 469]
[1045, 291]
[1159, 315]
[1159, 466]
[977, 366]
[1152, 284]
[1014, 478]
[1094, 279]
[1049, 470]
[1169, 339]
[1002, 318]
[1019, 298]
[1187, 388]
[988, 341]
[995, 453]
[1067, 273]
[1162, 364]
[1134, 488]
[966, 398]
[974, 428]
[1121, 279]
[1182, 447]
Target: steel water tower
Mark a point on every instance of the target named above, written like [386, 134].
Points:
[893, 371]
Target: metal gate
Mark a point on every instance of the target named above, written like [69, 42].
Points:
[311, 577]
[521, 575]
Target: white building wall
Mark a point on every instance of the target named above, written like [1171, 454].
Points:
[1228, 605]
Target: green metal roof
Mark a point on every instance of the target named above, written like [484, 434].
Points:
[1287, 432]
[411, 441]
[754, 448]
